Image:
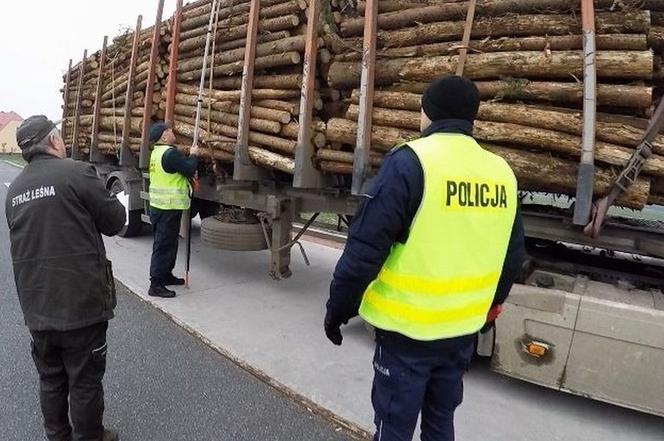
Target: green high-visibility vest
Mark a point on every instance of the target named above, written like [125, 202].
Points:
[168, 191]
[442, 281]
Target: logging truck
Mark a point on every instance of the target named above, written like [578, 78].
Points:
[302, 100]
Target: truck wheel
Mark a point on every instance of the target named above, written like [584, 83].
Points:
[232, 236]
[134, 224]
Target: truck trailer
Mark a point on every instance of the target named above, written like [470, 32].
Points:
[302, 99]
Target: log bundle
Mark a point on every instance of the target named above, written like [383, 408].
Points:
[277, 80]
[526, 58]
[84, 96]
[112, 96]
[527, 61]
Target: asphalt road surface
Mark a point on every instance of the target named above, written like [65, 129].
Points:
[161, 383]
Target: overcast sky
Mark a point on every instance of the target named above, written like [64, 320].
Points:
[38, 37]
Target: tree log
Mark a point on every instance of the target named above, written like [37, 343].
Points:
[186, 129]
[292, 108]
[296, 43]
[607, 94]
[521, 89]
[375, 159]
[232, 107]
[457, 11]
[109, 137]
[542, 172]
[382, 138]
[519, 134]
[258, 94]
[559, 64]
[281, 144]
[266, 25]
[293, 81]
[110, 122]
[122, 79]
[260, 156]
[392, 100]
[234, 15]
[402, 119]
[261, 125]
[561, 143]
[510, 5]
[238, 15]
[336, 168]
[291, 131]
[137, 111]
[268, 159]
[265, 62]
[620, 42]
[242, 42]
[525, 25]
[564, 120]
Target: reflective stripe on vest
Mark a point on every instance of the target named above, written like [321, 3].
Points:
[442, 281]
[168, 191]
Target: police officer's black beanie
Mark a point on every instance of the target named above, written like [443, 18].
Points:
[156, 130]
[451, 97]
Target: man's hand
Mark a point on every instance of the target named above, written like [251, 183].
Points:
[195, 150]
[333, 329]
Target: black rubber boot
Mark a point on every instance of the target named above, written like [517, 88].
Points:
[158, 290]
[171, 280]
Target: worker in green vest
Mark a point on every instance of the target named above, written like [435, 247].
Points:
[170, 195]
[431, 255]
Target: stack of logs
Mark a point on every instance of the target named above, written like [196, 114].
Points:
[526, 58]
[87, 93]
[114, 85]
[277, 84]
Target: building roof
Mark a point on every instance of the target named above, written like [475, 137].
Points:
[7, 117]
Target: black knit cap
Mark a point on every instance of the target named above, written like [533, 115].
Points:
[451, 97]
[158, 129]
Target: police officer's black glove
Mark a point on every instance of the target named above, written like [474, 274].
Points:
[333, 329]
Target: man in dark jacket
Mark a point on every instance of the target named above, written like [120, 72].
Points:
[431, 255]
[170, 196]
[57, 210]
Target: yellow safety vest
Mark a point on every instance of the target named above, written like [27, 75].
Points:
[442, 281]
[168, 191]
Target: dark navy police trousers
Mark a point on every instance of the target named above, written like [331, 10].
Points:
[166, 230]
[407, 382]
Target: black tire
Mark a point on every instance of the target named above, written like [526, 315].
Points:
[233, 236]
[134, 227]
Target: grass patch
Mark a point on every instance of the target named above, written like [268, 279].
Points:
[325, 220]
[14, 159]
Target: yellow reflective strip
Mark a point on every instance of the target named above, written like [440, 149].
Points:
[427, 301]
[169, 190]
[425, 285]
[409, 313]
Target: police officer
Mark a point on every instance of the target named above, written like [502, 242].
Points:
[431, 254]
[170, 195]
[57, 210]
